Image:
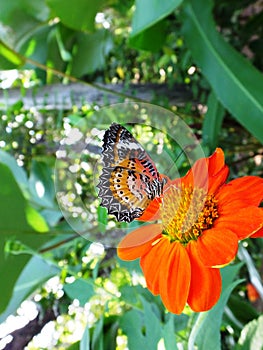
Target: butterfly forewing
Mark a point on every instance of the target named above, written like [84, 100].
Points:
[129, 179]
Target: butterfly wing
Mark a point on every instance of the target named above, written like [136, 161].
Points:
[129, 179]
[120, 146]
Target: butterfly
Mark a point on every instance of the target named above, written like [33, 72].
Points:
[129, 180]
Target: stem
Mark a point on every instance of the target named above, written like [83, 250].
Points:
[56, 245]
[253, 273]
[195, 330]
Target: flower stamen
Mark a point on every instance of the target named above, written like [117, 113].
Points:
[186, 212]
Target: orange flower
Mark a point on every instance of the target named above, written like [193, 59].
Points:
[258, 234]
[201, 221]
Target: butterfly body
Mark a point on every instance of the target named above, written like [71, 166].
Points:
[129, 179]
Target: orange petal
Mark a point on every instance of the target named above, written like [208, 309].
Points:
[216, 181]
[152, 212]
[151, 264]
[208, 173]
[240, 193]
[216, 161]
[175, 278]
[242, 222]
[252, 293]
[205, 285]
[258, 234]
[217, 247]
[138, 242]
[198, 175]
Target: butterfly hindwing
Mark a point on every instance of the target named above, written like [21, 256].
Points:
[122, 195]
[129, 179]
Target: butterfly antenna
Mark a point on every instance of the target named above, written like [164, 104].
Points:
[182, 151]
[180, 154]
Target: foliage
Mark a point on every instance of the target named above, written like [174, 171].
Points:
[111, 41]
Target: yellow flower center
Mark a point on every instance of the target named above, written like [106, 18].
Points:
[186, 212]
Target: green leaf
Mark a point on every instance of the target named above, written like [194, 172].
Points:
[85, 340]
[80, 17]
[131, 324]
[143, 328]
[153, 331]
[35, 220]
[102, 219]
[110, 332]
[76, 120]
[42, 46]
[212, 122]
[90, 52]
[169, 334]
[149, 25]
[206, 331]
[147, 13]
[19, 18]
[11, 10]
[236, 83]
[17, 171]
[12, 204]
[65, 54]
[9, 58]
[251, 336]
[76, 346]
[144, 40]
[133, 265]
[180, 321]
[52, 216]
[37, 9]
[36, 46]
[97, 336]
[42, 191]
[34, 274]
[172, 325]
[80, 289]
[241, 310]
[132, 294]
[41, 184]
[13, 224]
